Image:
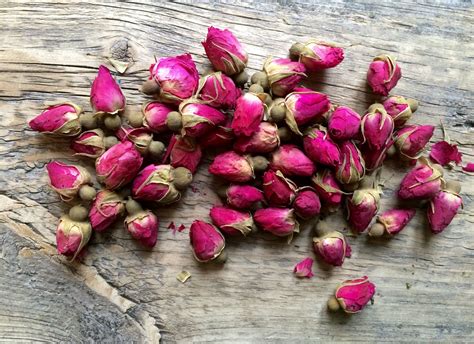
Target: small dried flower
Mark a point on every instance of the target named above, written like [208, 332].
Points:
[318, 55]
[106, 95]
[383, 74]
[377, 128]
[184, 152]
[307, 204]
[392, 221]
[283, 75]
[67, 180]
[304, 268]
[291, 161]
[332, 247]
[362, 207]
[155, 114]
[344, 124]
[374, 158]
[319, 147]
[422, 182]
[353, 295]
[199, 119]
[232, 167]
[230, 221]
[72, 236]
[400, 109]
[106, 208]
[143, 226]
[140, 137]
[411, 140]
[443, 208]
[352, 166]
[243, 196]
[220, 137]
[60, 120]
[278, 190]
[89, 143]
[443, 153]
[249, 111]
[206, 241]
[278, 221]
[219, 91]
[328, 188]
[264, 140]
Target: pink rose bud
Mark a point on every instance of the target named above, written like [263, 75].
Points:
[344, 124]
[177, 77]
[278, 221]
[60, 120]
[143, 226]
[224, 51]
[199, 119]
[66, 180]
[354, 295]
[332, 248]
[243, 196]
[422, 182]
[328, 189]
[411, 140]
[230, 221]
[248, 114]
[307, 204]
[278, 190]
[72, 236]
[183, 152]
[106, 95]
[291, 161]
[383, 74]
[264, 140]
[89, 143]
[442, 209]
[392, 221]
[206, 241]
[283, 75]
[304, 268]
[155, 183]
[219, 91]
[443, 153]
[352, 166]
[105, 209]
[154, 116]
[118, 165]
[318, 55]
[374, 158]
[140, 137]
[362, 207]
[232, 167]
[220, 137]
[319, 147]
[377, 128]
[400, 109]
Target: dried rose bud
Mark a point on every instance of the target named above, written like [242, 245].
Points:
[278, 190]
[183, 152]
[352, 166]
[319, 147]
[291, 161]
[72, 236]
[140, 137]
[199, 119]
[391, 221]
[400, 109]
[89, 143]
[278, 221]
[444, 207]
[224, 51]
[67, 180]
[106, 95]
[60, 120]
[352, 295]
[383, 74]
[243, 196]
[118, 165]
[422, 182]
[318, 55]
[374, 158]
[264, 140]
[143, 226]
[362, 207]
[220, 137]
[411, 140]
[155, 115]
[377, 128]
[249, 111]
[307, 204]
[105, 209]
[234, 167]
[304, 268]
[332, 247]
[328, 189]
[219, 91]
[177, 77]
[443, 153]
[344, 124]
[230, 221]
[283, 75]
[206, 241]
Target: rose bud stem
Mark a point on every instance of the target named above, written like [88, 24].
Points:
[182, 177]
[156, 149]
[413, 104]
[133, 206]
[87, 193]
[174, 121]
[296, 50]
[377, 230]
[136, 119]
[241, 78]
[278, 110]
[333, 304]
[112, 122]
[260, 78]
[221, 259]
[453, 186]
[88, 121]
[110, 141]
[260, 163]
[285, 134]
[375, 106]
[150, 87]
[392, 151]
[256, 88]
[221, 191]
[78, 213]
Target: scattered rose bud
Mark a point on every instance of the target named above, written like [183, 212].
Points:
[304, 268]
[383, 74]
[67, 180]
[106, 95]
[444, 207]
[89, 143]
[283, 75]
[352, 295]
[264, 140]
[220, 137]
[278, 221]
[400, 109]
[411, 140]
[318, 55]
[143, 226]
[352, 166]
[319, 147]
[199, 119]
[230, 221]
[72, 236]
[219, 91]
[374, 158]
[362, 207]
[234, 167]
[391, 221]
[140, 137]
[206, 241]
[332, 247]
[155, 115]
[60, 120]
[106, 208]
[291, 161]
[249, 111]
[278, 190]
[184, 152]
[243, 196]
[377, 128]
[422, 182]
[307, 204]
[344, 124]
[328, 189]
[443, 153]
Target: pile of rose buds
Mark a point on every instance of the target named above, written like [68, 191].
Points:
[285, 152]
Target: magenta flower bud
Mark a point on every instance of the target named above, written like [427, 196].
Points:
[354, 295]
[264, 140]
[155, 183]
[224, 51]
[291, 161]
[66, 180]
[183, 152]
[243, 196]
[283, 75]
[154, 116]
[177, 77]
[143, 226]
[307, 204]
[106, 208]
[318, 55]
[422, 182]
[206, 241]
[278, 221]
[383, 74]
[248, 114]
[443, 208]
[411, 140]
[374, 158]
[118, 165]
[140, 137]
[278, 190]
[352, 166]
[230, 221]
[400, 109]
[443, 153]
[199, 119]
[219, 91]
[377, 128]
[304, 268]
[393, 221]
[106, 95]
[220, 137]
[332, 248]
[469, 167]
[232, 167]
[60, 120]
[72, 236]
[344, 124]
[328, 189]
[362, 207]
[89, 143]
[319, 147]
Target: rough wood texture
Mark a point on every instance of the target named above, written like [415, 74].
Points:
[122, 293]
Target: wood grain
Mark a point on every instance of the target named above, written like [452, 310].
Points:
[122, 293]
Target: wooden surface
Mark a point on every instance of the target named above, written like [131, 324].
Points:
[122, 293]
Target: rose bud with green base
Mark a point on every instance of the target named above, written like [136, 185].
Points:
[59, 120]
[73, 232]
[207, 242]
[352, 295]
[106, 208]
[141, 224]
[231, 221]
[444, 206]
